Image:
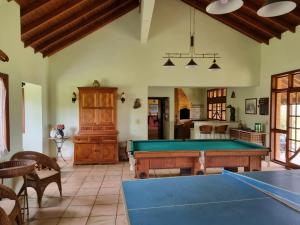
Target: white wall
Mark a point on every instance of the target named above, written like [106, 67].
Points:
[25, 66]
[115, 56]
[33, 136]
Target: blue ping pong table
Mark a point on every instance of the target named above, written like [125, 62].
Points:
[255, 198]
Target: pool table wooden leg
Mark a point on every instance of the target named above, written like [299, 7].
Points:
[142, 168]
[196, 167]
[254, 164]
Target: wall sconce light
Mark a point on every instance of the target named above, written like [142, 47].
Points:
[74, 97]
[122, 97]
[232, 94]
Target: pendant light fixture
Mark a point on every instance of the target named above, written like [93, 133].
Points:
[191, 55]
[214, 66]
[169, 63]
[274, 8]
[224, 6]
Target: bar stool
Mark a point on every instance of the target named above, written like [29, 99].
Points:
[220, 130]
[206, 130]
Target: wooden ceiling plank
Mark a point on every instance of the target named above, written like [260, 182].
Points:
[89, 29]
[115, 6]
[230, 22]
[251, 6]
[257, 24]
[32, 7]
[84, 12]
[49, 16]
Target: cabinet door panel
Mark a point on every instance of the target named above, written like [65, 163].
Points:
[89, 99]
[106, 117]
[84, 153]
[108, 152]
[106, 99]
[88, 117]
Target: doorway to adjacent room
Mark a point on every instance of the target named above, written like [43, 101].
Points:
[158, 118]
[32, 117]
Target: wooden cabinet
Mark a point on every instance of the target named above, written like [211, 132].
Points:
[97, 140]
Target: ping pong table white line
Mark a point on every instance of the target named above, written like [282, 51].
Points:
[199, 203]
[279, 198]
[234, 175]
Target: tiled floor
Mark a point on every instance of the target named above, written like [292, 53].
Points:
[91, 195]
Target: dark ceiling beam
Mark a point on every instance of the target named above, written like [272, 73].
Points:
[242, 16]
[34, 5]
[64, 40]
[97, 5]
[230, 21]
[49, 16]
[251, 6]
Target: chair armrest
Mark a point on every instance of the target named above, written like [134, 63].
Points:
[4, 219]
[6, 192]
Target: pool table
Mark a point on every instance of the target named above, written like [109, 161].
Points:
[194, 154]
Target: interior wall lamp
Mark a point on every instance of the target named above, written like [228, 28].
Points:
[74, 97]
[122, 97]
[191, 55]
[271, 8]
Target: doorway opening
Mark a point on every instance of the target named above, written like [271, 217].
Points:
[32, 124]
[285, 122]
[158, 118]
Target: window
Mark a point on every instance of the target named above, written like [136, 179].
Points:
[4, 114]
[285, 126]
[216, 104]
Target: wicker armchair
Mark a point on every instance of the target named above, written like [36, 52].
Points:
[10, 211]
[47, 171]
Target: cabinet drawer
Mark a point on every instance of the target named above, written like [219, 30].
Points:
[81, 139]
[95, 139]
[109, 139]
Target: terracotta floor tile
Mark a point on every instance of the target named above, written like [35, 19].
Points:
[109, 191]
[121, 209]
[104, 210]
[107, 199]
[101, 220]
[121, 220]
[111, 184]
[73, 221]
[53, 212]
[43, 222]
[83, 200]
[77, 211]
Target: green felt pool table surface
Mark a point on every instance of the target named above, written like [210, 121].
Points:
[193, 144]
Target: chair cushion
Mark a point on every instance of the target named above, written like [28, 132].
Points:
[45, 173]
[8, 205]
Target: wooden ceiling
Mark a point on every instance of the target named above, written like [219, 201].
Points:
[246, 20]
[51, 25]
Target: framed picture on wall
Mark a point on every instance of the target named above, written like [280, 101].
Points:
[251, 106]
[263, 106]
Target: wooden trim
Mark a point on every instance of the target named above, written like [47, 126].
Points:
[274, 130]
[6, 84]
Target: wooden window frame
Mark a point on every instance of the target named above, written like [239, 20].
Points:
[211, 100]
[273, 129]
[4, 77]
